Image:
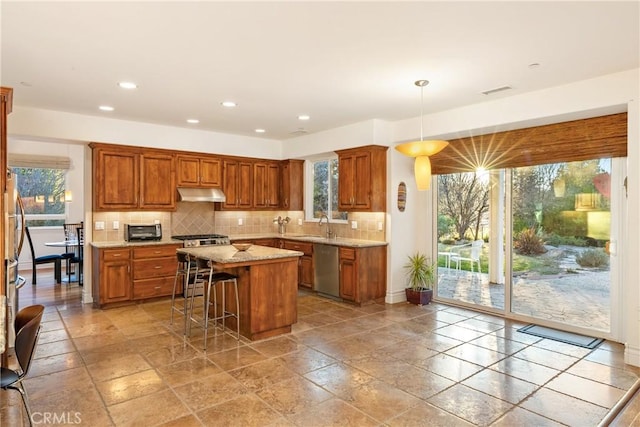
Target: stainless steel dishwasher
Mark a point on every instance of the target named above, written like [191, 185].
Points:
[327, 275]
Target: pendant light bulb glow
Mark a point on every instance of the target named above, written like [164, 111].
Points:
[421, 150]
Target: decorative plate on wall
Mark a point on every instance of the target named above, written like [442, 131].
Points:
[402, 196]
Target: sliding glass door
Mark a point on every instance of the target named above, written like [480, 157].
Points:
[532, 242]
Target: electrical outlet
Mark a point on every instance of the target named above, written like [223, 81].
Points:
[299, 221]
[379, 225]
[116, 225]
[354, 225]
[156, 221]
[240, 222]
[99, 225]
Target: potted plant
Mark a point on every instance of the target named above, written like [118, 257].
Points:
[420, 278]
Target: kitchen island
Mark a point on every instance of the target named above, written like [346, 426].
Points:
[267, 284]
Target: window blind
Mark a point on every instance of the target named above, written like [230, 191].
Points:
[585, 139]
[40, 162]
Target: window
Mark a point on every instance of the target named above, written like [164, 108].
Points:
[42, 191]
[323, 191]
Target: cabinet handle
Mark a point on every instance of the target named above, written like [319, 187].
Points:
[116, 255]
[158, 287]
[157, 267]
[157, 252]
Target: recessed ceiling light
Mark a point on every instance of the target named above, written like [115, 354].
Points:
[106, 108]
[304, 117]
[260, 131]
[228, 104]
[193, 121]
[128, 85]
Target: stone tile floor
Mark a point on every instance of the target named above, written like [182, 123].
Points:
[377, 365]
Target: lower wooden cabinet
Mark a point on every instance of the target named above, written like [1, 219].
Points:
[363, 274]
[305, 262]
[123, 275]
[154, 269]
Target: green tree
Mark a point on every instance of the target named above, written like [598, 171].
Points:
[464, 198]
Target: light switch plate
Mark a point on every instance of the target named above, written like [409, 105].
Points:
[99, 225]
[240, 222]
[379, 225]
[116, 225]
[299, 221]
[354, 225]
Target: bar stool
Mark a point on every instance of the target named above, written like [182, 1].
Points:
[206, 274]
[185, 274]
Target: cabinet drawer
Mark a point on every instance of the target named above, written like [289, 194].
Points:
[305, 247]
[347, 253]
[155, 251]
[149, 288]
[115, 254]
[156, 267]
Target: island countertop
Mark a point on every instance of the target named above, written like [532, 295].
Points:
[227, 255]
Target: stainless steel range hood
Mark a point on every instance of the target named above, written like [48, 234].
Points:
[188, 194]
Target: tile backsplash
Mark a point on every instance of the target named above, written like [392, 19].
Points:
[201, 218]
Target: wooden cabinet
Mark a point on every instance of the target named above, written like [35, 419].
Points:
[157, 182]
[363, 274]
[128, 179]
[123, 275]
[292, 185]
[111, 276]
[305, 262]
[266, 185]
[237, 184]
[154, 269]
[362, 179]
[199, 171]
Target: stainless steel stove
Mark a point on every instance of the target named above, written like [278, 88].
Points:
[194, 240]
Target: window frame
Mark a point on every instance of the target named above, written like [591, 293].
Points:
[309, 188]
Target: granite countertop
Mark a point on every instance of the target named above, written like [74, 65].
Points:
[339, 241]
[227, 254]
[125, 244]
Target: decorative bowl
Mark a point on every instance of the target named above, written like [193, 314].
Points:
[242, 246]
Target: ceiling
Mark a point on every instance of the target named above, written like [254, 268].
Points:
[338, 62]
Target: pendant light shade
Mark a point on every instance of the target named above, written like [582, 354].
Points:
[421, 150]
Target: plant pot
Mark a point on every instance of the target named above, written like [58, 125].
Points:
[421, 297]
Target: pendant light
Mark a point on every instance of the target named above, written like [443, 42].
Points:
[421, 150]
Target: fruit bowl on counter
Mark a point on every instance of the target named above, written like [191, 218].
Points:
[241, 246]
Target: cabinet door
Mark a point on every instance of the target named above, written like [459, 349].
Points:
[348, 274]
[188, 171]
[305, 272]
[210, 172]
[157, 182]
[115, 181]
[245, 178]
[260, 178]
[292, 185]
[115, 282]
[346, 179]
[362, 184]
[272, 185]
[237, 184]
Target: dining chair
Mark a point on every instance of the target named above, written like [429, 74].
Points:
[71, 252]
[27, 327]
[44, 259]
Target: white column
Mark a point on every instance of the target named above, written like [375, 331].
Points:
[496, 227]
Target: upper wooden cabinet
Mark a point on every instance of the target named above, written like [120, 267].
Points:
[362, 179]
[266, 185]
[292, 185]
[237, 184]
[126, 179]
[199, 171]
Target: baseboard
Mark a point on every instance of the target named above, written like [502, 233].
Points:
[632, 355]
[395, 297]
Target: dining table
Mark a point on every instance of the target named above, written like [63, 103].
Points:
[71, 243]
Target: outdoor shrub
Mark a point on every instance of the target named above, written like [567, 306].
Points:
[592, 258]
[528, 242]
[554, 239]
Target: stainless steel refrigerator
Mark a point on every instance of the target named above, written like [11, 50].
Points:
[14, 238]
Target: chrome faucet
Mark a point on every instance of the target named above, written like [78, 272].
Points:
[329, 232]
